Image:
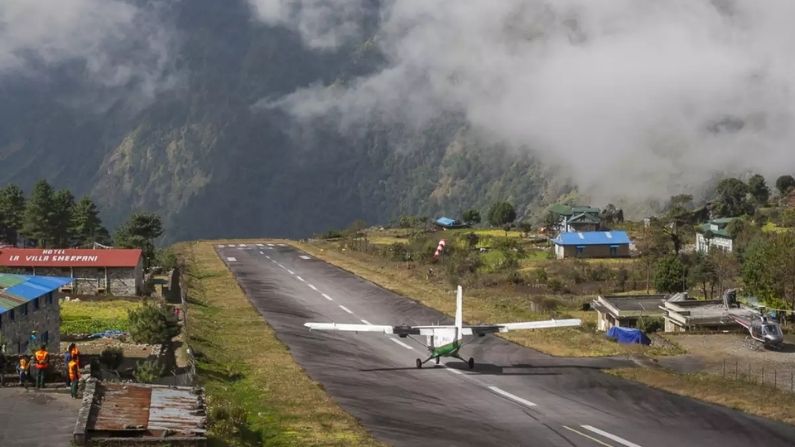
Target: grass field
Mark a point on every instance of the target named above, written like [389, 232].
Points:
[89, 317]
[761, 400]
[257, 394]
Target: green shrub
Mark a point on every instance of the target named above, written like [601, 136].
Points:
[152, 324]
[651, 324]
[147, 371]
[111, 357]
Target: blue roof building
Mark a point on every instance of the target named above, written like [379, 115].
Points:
[446, 222]
[592, 244]
[29, 312]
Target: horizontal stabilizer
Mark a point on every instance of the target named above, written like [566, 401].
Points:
[384, 329]
[546, 324]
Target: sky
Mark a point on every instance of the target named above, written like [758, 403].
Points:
[632, 99]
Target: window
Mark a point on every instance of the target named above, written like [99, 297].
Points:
[49, 298]
[11, 316]
[580, 250]
[36, 304]
[613, 251]
[25, 309]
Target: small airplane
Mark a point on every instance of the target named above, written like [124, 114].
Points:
[761, 329]
[446, 340]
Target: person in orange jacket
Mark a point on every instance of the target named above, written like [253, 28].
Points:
[74, 354]
[22, 370]
[41, 362]
[74, 376]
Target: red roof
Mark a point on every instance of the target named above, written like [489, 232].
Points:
[50, 257]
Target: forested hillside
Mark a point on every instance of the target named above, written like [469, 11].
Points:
[202, 155]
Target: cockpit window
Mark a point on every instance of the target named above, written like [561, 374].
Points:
[772, 329]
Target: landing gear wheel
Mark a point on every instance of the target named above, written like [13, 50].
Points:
[419, 363]
[471, 363]
[437, 360]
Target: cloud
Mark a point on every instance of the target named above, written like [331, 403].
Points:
[114, 44]
[633, 99]
[323, 24]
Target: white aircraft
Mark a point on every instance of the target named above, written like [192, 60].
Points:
[444, 341]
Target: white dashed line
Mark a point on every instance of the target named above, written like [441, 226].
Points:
[260, 245]
[312, 287]
[453, 370]
[300, 279]
[220, 245]
[261, 252]
[281, 245]
[270, 245]
[289, 271]
[514, 398]
[327, 297]
[242, 245]
[231, 259]
[401, 343]
[366, 322]
[305, 257]
[610, 436]
[346, 309]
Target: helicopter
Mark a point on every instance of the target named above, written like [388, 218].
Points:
[761, 329]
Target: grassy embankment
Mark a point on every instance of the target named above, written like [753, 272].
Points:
[761, 400]
[256, 392]
[481, 306]
[89, 317]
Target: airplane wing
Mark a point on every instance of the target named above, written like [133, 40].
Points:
[382, 328]
[506, 327]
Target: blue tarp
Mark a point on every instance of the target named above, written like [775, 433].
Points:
[628, 335]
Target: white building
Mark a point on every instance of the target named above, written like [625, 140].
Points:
[713, 234]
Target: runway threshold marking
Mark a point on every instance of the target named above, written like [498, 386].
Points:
[610, 436]
[512, 397]
[220, 245]
[231, 259]
[587, 436]
[260, 245]
[270, 245]
[401, 343]
[327, 297]
[346, 309]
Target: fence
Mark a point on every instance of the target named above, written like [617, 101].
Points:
[758, 373]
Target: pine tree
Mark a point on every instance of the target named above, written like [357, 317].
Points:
[86, 225]
[140, 231]
[12, 210]
[61, 222]
[38, 214]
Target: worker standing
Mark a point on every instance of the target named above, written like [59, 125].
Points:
[74, 376]
[74, 353]
[22, 370]
[42, 362]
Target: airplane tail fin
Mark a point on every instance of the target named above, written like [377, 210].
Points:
[459, 312]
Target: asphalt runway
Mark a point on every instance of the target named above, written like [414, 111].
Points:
[514, 397]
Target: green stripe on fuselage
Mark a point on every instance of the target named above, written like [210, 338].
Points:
[446, 350]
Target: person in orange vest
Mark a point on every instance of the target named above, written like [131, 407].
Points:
[42, 362]
[71, 353]
[74, 376]
[22, 370]
[74, 353]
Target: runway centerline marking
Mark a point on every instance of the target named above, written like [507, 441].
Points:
[452, 370]
[610, 436]
[587, 436]
[346, 309]
[366, 322]
[327, 297]
[512, 397]
[401, 343]
[300, 279]
[231, 259]
[305, 257]
[289, 271]
[312, 287]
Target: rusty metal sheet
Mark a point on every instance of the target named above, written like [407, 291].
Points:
[122, 407]
[176, 409]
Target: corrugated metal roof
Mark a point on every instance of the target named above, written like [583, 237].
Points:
[37, 257]
[19, 289]
[446, 221]
[592, 238]
[149, 410]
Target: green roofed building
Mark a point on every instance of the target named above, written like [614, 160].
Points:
[576, 218]
[714, 234]
[29, 312]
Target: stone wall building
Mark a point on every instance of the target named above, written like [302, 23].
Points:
[29, 313]
[117, 272]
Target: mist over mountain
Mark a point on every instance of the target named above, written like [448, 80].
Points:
[252, 117]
